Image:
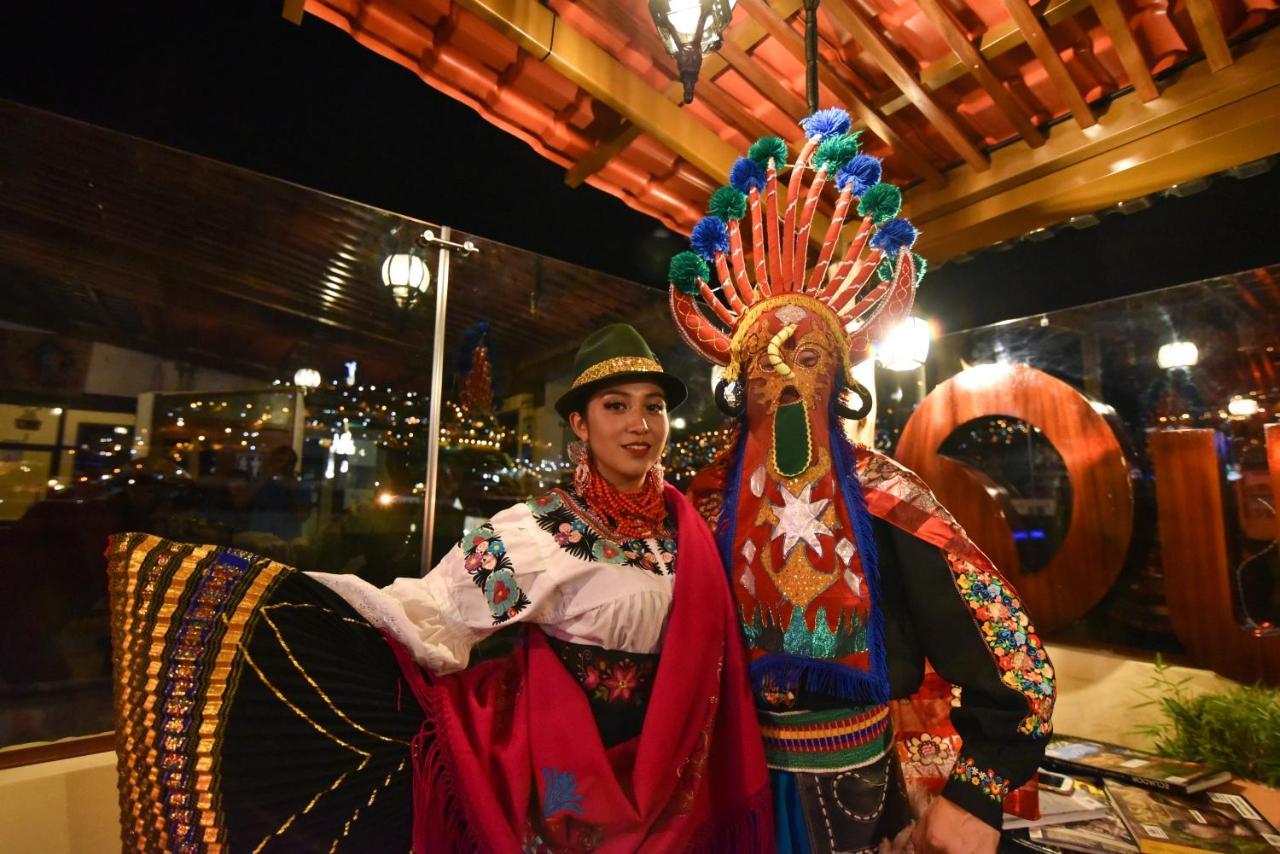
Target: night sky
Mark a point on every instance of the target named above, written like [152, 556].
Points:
[236, 82]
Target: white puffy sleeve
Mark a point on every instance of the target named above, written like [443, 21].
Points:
[497, 574]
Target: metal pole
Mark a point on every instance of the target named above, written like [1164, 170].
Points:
[811, 53]
[437, 391]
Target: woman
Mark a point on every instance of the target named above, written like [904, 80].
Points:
[279, 707]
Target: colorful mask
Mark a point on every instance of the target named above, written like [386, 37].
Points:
[794, 531]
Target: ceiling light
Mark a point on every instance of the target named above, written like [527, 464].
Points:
[689, 29]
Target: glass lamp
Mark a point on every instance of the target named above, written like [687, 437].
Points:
[407, 277]
[689, 29]
[307, 378]
[906, 346]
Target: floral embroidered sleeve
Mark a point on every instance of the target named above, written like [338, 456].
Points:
[495, 575]
[975, 632]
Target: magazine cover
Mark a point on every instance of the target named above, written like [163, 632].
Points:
[1168, 823]
[1084, 802]
[1085, 756]
[1105, 834]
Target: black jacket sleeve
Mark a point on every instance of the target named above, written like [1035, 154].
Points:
[966, 622]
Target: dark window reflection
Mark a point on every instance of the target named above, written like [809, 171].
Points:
[1027, 476]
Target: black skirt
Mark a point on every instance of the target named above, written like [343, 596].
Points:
[255, 710]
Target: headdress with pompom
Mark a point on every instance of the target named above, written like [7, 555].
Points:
[863, 309]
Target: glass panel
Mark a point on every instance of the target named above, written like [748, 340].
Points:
[150, 356]
[1199, 356]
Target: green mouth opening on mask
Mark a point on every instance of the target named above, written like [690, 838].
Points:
[792, 449]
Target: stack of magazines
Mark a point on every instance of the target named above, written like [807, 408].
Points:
[1107, 798]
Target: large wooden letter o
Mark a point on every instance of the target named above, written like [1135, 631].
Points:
[1093, 551]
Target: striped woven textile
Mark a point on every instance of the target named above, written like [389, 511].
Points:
[825, 741]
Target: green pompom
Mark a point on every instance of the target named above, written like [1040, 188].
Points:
[835, 151]
[921, 266]
[768, 146]
[685, 271]
[885, 270]
[728, 204]
[882, 202]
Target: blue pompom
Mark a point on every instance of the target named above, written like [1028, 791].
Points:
[862, 172]
[825, 123]
[710, 236]
[894, 236]
[746, 175]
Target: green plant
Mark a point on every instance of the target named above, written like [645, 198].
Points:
[1236, 730]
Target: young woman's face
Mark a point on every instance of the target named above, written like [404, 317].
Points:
[626, 427]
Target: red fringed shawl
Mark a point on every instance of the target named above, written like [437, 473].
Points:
[509, 752]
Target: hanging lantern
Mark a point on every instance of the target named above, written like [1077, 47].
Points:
[407, 277]
[307, 378]
[689, 29]
[906, 346]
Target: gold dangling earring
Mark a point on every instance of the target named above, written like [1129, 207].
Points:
[580, 455]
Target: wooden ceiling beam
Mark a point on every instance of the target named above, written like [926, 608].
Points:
[977, 64]
[782, 32]
[536, 29]
[597, 158]
[1037, 38]
[763, 82]
[292, 10]
[1208, 122]
[871, 41]
[997, 41]
[1213, 41]
[1135, 64]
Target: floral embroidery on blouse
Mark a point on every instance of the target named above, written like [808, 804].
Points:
[988, 782]
[929, 749]
[1020, 656]
[490, 568]
[584, 541]
[610, 676]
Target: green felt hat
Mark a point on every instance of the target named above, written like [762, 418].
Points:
[616, 354]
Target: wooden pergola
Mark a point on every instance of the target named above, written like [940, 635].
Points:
[999, 116]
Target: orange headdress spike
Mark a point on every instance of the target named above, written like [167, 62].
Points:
[706, 339]
[710, 298]
[739, 262]
[757, 244]
[727, 288]
[801, 259]
[856, 246]
[789, 248]
[776, 283]
[892, 309]
[780, 239]
[840, 305]
[862, 271]
[816, 285]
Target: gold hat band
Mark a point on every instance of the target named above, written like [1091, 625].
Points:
[617, 365]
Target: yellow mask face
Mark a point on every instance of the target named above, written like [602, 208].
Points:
[789, 354]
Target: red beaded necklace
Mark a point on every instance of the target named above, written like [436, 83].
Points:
[633, 515]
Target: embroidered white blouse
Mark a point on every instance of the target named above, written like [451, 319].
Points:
[546, 562]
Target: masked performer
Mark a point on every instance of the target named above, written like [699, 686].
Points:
[261, 708]
[847, 572]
